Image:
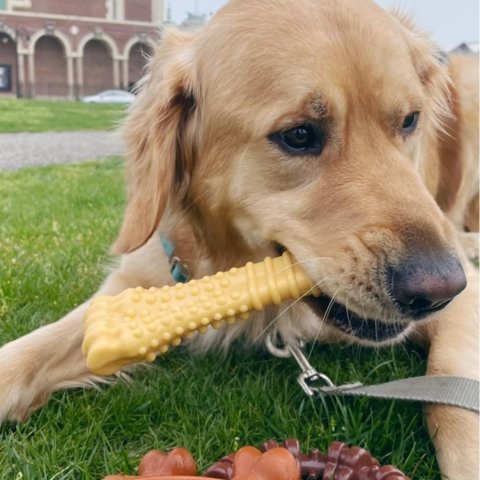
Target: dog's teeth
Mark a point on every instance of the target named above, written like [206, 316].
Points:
[136, 324]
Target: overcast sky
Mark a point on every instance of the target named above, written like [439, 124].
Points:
[449, 21]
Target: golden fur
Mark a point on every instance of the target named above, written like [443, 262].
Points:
[201, 170]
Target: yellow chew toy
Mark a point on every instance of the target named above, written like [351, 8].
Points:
[137, 324]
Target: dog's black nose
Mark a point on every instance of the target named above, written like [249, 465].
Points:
[425, 283]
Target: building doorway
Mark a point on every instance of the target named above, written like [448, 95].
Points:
[50, 68]
[137, 60]
[8, 65]
[97, 67]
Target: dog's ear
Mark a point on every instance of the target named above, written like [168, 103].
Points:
[152, 133]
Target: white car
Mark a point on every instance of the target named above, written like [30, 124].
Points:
[110, 96]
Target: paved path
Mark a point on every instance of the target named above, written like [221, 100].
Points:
[18, 150]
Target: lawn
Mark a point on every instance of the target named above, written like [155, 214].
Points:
[52, 255]
[18, 115]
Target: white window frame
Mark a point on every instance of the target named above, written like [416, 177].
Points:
[11, 4]
[115, 10]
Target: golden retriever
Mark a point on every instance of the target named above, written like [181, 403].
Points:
[329, 128]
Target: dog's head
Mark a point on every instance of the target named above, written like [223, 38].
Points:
[309, 126]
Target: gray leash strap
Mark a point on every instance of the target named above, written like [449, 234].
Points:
[446, 390]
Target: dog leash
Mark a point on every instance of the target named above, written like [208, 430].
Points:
[438, 389]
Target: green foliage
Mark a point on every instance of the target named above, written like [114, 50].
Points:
[57, 224]
[17, 115]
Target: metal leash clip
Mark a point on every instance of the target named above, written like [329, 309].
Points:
[308, 376]
[437, 389]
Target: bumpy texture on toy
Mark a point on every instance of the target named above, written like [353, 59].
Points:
[138, 324]
[277, 462]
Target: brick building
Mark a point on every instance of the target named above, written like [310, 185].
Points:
[71, 48]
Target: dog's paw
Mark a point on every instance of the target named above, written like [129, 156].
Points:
[20, 394]
[17, 404]
[455, 434]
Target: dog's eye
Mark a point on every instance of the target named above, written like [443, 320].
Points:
[305, 139]
[410, 122]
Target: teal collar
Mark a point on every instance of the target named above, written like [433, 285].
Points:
[179, 270]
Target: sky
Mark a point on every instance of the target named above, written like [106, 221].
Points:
[450, 22]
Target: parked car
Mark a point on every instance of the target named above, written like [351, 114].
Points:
[110, 96]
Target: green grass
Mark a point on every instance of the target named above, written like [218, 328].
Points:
[18, 115]
[52, 249]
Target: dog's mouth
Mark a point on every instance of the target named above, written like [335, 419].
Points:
[345, 320]
[350, 323]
